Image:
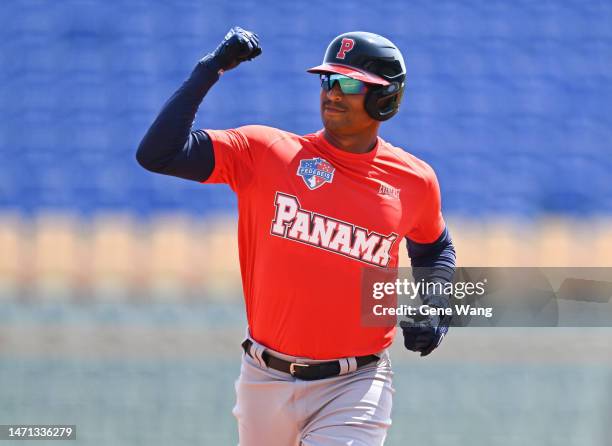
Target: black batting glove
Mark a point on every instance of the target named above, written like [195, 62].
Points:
[238, 46]
[425, 333]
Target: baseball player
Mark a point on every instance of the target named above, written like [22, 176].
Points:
[314, 211]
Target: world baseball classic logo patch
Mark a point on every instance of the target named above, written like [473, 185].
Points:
[316, 172]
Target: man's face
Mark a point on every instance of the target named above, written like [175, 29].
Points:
[344, 113]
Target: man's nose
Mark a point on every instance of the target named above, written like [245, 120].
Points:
[335, 93]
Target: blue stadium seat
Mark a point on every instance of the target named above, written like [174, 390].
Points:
[508, 101]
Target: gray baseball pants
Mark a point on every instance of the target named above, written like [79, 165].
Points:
[275, 409]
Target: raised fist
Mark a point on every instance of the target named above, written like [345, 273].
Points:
[237, 46]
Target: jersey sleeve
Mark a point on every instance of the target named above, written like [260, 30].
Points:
[429, 223]
[237, 153]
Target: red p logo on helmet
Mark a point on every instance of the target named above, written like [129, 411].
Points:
[346, 46]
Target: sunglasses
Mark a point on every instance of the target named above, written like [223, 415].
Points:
[347, 84]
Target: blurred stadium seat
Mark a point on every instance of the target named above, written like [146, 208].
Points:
[88, 77]
[507, 101]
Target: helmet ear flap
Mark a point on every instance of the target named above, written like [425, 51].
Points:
[382, 103]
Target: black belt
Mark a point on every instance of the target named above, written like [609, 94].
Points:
[307, 372]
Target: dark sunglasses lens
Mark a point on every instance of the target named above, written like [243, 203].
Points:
[347, 84]
[325, 82]
[351, 86]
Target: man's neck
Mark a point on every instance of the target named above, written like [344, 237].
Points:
[357, 143]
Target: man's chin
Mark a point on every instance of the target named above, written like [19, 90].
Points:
[333, 123]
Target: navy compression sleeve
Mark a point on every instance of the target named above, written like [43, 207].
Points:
[433, 262]
[169, 146]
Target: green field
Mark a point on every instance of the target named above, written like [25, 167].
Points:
[164, 375]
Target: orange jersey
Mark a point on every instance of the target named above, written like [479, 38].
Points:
[311, 217]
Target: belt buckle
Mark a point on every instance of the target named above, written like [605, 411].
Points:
[293, 365]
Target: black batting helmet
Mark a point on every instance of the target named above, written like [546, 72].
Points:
[372, 59]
